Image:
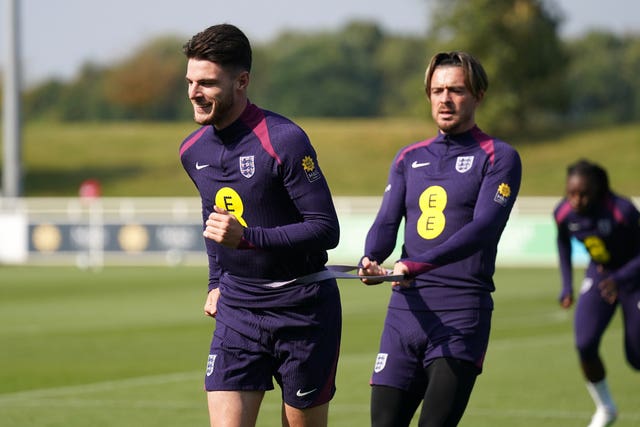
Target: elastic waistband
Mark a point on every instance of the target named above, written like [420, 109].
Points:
[302, 280]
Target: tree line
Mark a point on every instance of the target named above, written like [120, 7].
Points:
[536, 79]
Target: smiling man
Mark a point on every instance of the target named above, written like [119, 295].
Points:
[268, 221]
[455, 193]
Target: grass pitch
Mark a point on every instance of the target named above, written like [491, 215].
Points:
[127, 347]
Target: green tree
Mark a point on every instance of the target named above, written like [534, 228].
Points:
[630, 72]
[150, 84]
[331, 75]
[83, 98]
[402, 62]
[517, 41]
[42, 101]
[603, 78]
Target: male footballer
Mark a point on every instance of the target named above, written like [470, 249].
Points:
[268, 221]
[455, 192]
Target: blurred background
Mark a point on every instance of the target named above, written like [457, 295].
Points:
[102, 265]
[95, 107]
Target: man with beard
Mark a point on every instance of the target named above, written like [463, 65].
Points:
[455, 192]
[269, 220]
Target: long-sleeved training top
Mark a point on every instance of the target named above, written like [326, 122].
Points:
[610, 234]
[455, 193]
[264, 170]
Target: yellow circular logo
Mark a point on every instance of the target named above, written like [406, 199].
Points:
[46, 238]
[228, 199]
[133, 238]
[432, 202]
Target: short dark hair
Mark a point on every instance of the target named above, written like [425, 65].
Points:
[224, 44]
[594, 173]
[475, 78]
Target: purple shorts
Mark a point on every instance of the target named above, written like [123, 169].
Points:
[593, 315]
[298, 346]
[411, 340]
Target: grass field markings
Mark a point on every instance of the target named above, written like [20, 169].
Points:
[126, 402]
[536, 340]
[82, 325]
[98, 386]
[544, 414]
[543, 339]
[550, 316]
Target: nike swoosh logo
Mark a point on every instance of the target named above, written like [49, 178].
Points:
[415, 164]
[199, 166]
[301, 393]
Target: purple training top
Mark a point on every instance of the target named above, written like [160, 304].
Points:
[611, 235]
[263, 169]
[455, 193]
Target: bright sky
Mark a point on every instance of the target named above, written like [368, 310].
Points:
[58, 36]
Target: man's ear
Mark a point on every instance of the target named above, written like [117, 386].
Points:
[243, 80]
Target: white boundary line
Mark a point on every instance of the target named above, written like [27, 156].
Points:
[57, 392]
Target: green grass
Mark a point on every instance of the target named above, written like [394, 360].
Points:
[141, 159]
[127, 347]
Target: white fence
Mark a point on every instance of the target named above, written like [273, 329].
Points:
[153, 231]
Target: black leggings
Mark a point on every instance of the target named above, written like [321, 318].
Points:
[449, 385]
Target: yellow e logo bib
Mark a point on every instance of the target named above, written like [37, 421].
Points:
[228, 199]
[432, 202]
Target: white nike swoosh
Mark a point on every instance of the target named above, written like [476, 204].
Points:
[415, 164]
[301, 393]
[198, 166]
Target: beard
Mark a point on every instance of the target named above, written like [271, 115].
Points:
[449, 125]
[216, 113]
[456, 121]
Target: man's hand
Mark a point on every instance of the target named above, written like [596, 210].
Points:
[223, 227]
[566, 301]
[371, 268]
[609, 290]
[211, 305]
[401, 269]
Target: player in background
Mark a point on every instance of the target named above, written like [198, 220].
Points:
[609, 227]
[269, 220]
[455, 192]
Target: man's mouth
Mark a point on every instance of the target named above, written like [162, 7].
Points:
[203, 107]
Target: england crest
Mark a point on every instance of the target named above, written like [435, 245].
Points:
[604, 226]
[381, 362]
[247, 166]
[210, 362]
[464, 163]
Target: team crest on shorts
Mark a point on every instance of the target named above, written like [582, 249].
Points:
[247, 166]
[381, 362]
[210, 362]
[464, 163]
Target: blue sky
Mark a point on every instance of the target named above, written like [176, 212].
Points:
[58, 36]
